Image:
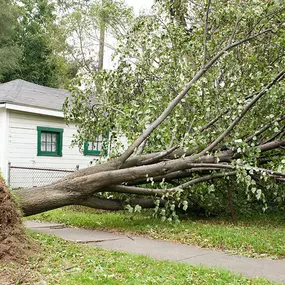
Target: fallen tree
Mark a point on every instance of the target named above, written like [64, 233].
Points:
[226, 124]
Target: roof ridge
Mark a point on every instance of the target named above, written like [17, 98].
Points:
[19, 88]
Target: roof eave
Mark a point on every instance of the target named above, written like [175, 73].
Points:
[34, 110]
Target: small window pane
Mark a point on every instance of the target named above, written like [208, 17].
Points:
[54, 137]
[48, 137]
[43, 137]
[49, 147]
[53, 147]
[43, 146]
[99, 146]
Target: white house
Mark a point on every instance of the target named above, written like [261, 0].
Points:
[33, 134]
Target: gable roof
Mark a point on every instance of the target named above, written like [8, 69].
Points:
[26, 93]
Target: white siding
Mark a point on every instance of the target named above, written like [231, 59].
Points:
[22, 145]
[3, 141]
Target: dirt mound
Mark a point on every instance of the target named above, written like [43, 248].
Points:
[14, 244]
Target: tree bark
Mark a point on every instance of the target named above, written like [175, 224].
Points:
[79, 188]
[101, 46]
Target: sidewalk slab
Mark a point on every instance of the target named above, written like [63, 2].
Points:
[273, 270]
[161, 250]
[72, 234]
[250, 267]
[157, 249]
[34, 224]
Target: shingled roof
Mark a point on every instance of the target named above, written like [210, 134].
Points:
[26, 93]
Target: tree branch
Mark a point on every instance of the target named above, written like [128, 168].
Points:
[206, 32]
[206, 178]
[281, 133]
[172, 104]
[272, 145]
[266, 16]
[278, 78]
[161, 192]
[235, 29]
[114, 204]
[264, 128]
[212, 122]
[160, 155]
[137, 190]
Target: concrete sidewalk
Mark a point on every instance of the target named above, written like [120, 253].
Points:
[273, 270]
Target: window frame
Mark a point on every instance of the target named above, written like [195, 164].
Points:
[59, 141]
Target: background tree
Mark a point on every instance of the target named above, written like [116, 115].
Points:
[91, 26]
[41, 41]
[207, 103]
[9, 51]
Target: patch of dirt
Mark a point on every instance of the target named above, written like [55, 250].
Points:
[14, 244]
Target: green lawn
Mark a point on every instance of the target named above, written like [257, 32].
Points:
[261, 236]
[67, 263]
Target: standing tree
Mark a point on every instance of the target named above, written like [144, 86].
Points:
[90, 25]
[202, 104]
[40, 40]
[9, 51]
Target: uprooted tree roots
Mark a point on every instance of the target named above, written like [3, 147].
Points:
[14, 244]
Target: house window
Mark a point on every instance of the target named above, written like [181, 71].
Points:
[49, 141]
[96, 147]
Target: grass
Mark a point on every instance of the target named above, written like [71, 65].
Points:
[67, 263]
[260, 236]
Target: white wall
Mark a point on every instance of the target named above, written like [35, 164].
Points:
[3, 141]
[22, 146]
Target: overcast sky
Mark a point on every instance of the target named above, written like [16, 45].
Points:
[139, 4]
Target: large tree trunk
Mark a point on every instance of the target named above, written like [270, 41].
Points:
[83, 187]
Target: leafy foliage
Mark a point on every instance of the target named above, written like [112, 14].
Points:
[41, 42]
[85, 22]
[167, 48]
[158, 56]
[9, 51]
